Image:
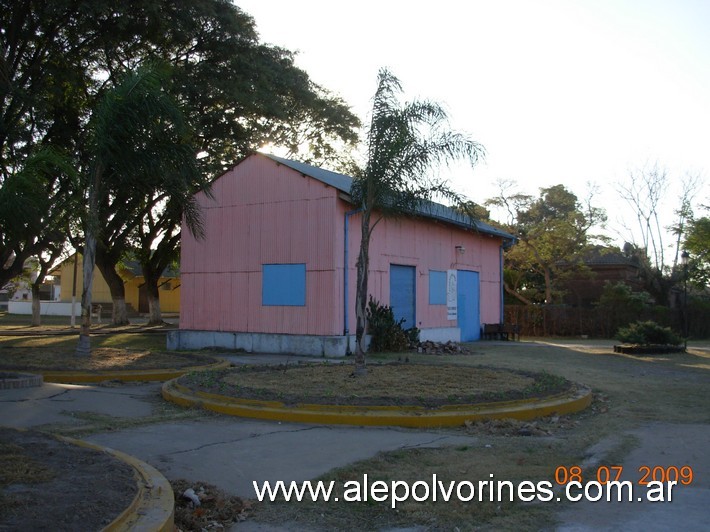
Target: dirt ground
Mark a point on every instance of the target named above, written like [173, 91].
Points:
[48, 484]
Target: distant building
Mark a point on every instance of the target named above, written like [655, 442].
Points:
[136, 296]
[276, 271]
[600, 265]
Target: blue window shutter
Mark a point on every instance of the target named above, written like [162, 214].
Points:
[437, 287]
[283, 285]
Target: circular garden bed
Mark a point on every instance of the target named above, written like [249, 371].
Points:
[411, 395]
[428, 386]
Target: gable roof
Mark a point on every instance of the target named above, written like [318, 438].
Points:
[429, 209]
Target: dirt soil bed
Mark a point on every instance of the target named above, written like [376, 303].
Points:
[48, 484]
[101, 359]
[385, 384]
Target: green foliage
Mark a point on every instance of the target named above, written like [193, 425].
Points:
[697, 242]
[553, 234]
[66, 63]
[648, 333]
[404, 142]
[619, 305]
[386, 333]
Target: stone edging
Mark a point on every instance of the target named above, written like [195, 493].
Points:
[10, 380]
[633, 349]
[153, 507]
[405, 416]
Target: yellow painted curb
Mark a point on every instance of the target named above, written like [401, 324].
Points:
[153, 507]
[127, 375]
[404, 416]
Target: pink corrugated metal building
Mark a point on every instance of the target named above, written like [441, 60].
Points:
[276, 270]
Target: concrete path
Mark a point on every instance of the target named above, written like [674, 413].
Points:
[226, 451]
[56, 403]
[232, 453]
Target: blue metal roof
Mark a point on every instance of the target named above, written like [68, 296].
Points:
[429, 209]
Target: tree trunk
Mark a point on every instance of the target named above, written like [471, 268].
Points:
[548, 287]
[36, 318]
[119, 315]
[155, 317]
[363, 262]
[115, 284]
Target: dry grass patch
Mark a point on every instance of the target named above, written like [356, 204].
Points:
[384, 384]
[16, 465]
[48, 484]
[109, 353]
[506, 458]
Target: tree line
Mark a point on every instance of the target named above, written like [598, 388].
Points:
[559, 236]
[113, 114]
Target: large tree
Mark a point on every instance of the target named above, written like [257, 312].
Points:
[140, 147]
[59, 59]
[553, 231]
[404, 142]
[43, 81]
[238, 95]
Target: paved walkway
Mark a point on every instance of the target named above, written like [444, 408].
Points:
[225, 451]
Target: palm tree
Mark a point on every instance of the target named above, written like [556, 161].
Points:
[405, 141]
[140, 148]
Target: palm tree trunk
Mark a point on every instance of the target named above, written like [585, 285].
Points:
[363, 263]
[83, 348]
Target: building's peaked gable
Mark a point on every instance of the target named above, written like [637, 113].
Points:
[428, 209]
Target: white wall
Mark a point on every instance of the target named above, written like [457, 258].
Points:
[47, 308]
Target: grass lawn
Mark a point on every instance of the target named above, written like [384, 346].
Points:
[51, 348]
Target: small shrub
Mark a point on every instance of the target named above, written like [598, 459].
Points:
[648, 333]
[387, 333]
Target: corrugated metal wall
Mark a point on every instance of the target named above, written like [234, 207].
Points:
[266, 213]
[428, 245]
[263, 213]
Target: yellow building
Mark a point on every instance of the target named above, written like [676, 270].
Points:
[136, 297]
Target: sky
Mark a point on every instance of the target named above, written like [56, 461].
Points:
[557, 91]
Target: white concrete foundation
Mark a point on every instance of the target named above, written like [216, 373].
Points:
[327, 346]
[440, 334]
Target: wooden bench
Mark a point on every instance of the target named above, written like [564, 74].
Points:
[500, 331]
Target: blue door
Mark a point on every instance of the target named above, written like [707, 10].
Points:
[403, 294]
[468, 301]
